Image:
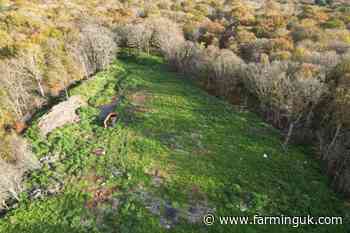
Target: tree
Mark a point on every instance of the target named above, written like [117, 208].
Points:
[18, 85]
[225, 69]
[16, 159]
[321, 2]
[242, 12]
[340, 102]
[97, 48]
[167, 36]
[285, 89]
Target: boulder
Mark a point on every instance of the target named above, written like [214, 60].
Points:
[61, 114]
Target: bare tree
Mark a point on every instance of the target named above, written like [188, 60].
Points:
[19, 160]
[18, 85]
[137, 36]
[159, 34]
[327, 59]
[167, 36]
[284, 88]
[32, 69]
[340, 106]
[226, 69]
[183, 59]
[95, 50]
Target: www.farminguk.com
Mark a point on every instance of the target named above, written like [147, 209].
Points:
[294, 221]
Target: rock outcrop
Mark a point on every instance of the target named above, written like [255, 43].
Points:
[61, 114]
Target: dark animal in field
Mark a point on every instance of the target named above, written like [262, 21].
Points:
[110, 120]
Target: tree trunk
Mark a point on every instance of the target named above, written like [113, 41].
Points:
[41, 89]
[309, 118]
[290, 130]
[66, 92]
[289, 134]
[334, 140]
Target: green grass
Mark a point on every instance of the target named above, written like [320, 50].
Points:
[203, 150]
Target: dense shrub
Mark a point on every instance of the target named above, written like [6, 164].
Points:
[96, 49]
[285, 89]
[56, 75]
[18, 81]
[303, 33]
[137, 36]
[16, 159]
[221, 69]
[167, 36]
[334, 23]
[321, 2]
[158, 34]
[252, 51]
[327, 59]
[5, 39]
[339, 46]
[242, 12]
[184, 58]
[333, 130]
[192, 31]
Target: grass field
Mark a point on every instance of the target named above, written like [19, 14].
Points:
[175, 154]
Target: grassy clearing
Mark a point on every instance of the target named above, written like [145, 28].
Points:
[174, 148]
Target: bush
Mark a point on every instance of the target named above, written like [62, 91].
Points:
[136, 36]
[300, 33]
[281, 56]
[167, 36]
[5, 39]
[334, 23]
[321, 2]
[314, 12]
[327, 59]
[192, 31]
[154, 33]
[60, 68]
[340, 81]
[16, 159]
[96, 49]
[286, 89]
[242, 12]
[333, 131]
[224, 71]
[19, 80]
[252, 51]
[183, 60]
